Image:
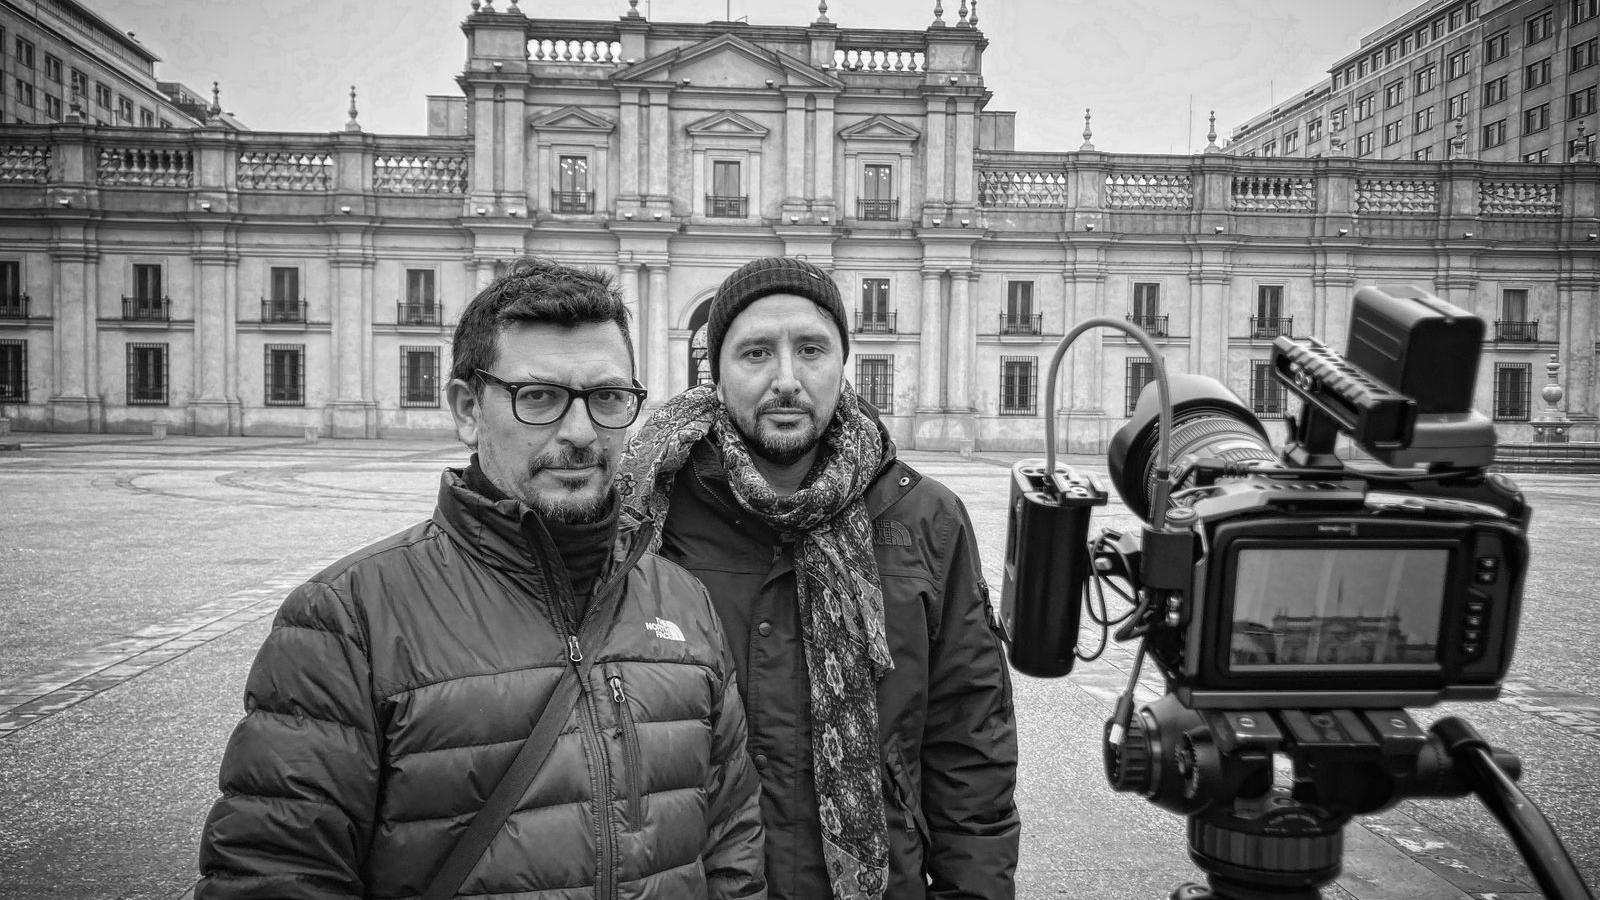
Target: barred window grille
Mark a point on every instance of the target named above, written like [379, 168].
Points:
[419, 377]
[1512, 391]
[875, 382]
[14, 371]
[1140, 373]
[147, 375]
[1266, 392]
[285, 383]
[1019, 386]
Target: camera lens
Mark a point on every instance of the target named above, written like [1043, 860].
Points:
[1208, 422]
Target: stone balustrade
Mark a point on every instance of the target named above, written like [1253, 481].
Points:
[24, 164]
[280, 170]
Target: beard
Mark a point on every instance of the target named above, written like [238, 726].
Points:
[582, 504]
[782, 447]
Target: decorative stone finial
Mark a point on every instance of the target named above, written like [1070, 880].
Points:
[1211, 135]
[1580, 153]
[1088, 134]
[822, 12]
[513, 10]
[633, 9]
[75, 106]
[1552, 426]
[938, 13]
[488, 6]
[476, 5]
[961, 12]
[216, 101]
[352, 125]
[973, 19]
[1458, 144]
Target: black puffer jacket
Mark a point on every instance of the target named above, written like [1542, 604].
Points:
[945, 717]
[397, 686]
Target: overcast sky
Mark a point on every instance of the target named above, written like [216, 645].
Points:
[1150, 69]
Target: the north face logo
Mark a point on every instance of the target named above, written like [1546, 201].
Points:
[665, 630]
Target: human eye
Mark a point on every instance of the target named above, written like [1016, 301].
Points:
[812, 351]
[756, 354]
[540, 397]
[611, 398]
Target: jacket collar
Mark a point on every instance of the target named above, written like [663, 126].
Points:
[504, 533]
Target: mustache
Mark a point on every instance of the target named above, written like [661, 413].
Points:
[569, 458]
[785, 404]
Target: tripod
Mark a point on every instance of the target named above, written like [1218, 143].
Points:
[1257, 840]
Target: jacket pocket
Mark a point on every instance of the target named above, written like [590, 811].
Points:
[906, 796]
[630, 752]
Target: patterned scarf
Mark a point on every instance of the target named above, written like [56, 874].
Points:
[840, 600]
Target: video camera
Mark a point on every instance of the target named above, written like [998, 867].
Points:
[1292, 603]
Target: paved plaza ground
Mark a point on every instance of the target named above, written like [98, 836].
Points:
[138, 577]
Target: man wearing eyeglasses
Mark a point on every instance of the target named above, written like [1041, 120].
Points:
[398, 685]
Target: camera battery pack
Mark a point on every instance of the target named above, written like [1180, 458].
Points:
[1047, 564]
[1416, 344]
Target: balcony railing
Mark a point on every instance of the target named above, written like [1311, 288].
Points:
[1266, 328]
[721, 207]
[146, 309]
[572, 202]
[1155, 326]
[874, 322]
[1520, 332]
[416, 313]
[283, 311]
[878, 210]
[1021, 324]
[14, 307]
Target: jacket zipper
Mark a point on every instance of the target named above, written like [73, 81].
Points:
[630, 752]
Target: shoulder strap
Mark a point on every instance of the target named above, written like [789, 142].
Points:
[487, 823]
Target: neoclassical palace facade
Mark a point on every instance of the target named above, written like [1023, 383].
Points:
[218, 281]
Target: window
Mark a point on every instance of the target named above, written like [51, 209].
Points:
[1019, 317]
[25, 96]
[1472, 11]
[147, 302]
[1494, 90]
[1494, 134]
[1019, 377]
[12, 299]
[572, 186]
[1583, 55]
[1584, 10]
[1457, 17]
[1496, 47]
[147, 118]
[1540, 26]
[1391, 133]
[1536, 119]
[877, 193]
[1313, 130]
[419, 376]
[24, 53]
[1511, 391]
[1422, 37]
[1457, 106]
[1425, 153]
[725, 201]
[875, 382]
[1393, 94]
[1364, 144]
[1408, 42]
[52, 68]
[1390, 52]
[1537, 156]
[1270, 148]
[1514, 305]
[52, 107]
[147, 374]
[1457, 63]
[124, 111]
[284, 303]
[285, 383]
[1291, 142]
[875, 315]
[1270, 321]
[419, 306]
[1583, 145]
[1339, 118]
[102, 96]
[1364, 107]
[1425, 78]
[1266, 391]
[1438, 28]
[1140, 373]
[1536, 74]
[14, 371]
[1423, 120]
[1146, 310]
[1581, 103]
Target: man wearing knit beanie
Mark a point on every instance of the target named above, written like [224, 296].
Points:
[850, 589]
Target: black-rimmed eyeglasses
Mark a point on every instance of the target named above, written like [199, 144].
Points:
[542, 403]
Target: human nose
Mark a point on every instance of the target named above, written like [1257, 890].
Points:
[786, 381]
[577, 427]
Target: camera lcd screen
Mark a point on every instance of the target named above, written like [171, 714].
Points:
[1337, 607]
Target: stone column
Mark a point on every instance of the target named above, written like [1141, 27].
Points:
[822, 190]
[657, 372]
[960, 346]
[208, 410]
[936, 192]
[794, 151]
[1577, 299]
[962, 191]
[628, 139]
[515, 138]
[930, 383]
[629, 271]
[660, 147]
[351, 414]
[75, 405]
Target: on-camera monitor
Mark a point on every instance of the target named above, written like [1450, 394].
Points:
[1337, 606]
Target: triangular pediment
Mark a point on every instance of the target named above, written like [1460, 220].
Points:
[728, 61]
[880, 128]
[571, 118]
[727, 124]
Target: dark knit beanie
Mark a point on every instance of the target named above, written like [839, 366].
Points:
[760, 278]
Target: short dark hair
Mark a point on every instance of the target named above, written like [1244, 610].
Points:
[534, 290]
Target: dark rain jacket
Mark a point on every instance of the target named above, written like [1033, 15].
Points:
[945, 718]
[397, 686]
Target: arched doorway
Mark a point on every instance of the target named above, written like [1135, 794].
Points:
[699, 358]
